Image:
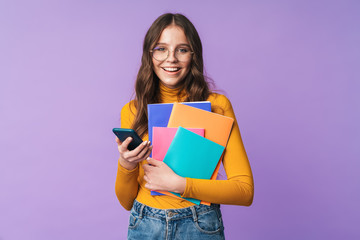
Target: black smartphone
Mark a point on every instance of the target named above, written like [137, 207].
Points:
[124, 133]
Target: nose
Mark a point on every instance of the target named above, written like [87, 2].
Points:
[172, 57]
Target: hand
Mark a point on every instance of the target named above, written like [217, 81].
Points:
[129, 159]
[159, 176]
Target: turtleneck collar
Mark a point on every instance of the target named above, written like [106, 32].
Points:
[169, 95]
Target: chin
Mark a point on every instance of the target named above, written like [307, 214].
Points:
[171, 82]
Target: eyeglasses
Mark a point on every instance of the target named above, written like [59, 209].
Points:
[182, 54]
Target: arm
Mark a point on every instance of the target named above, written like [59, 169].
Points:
[126, 185]
[238, 189]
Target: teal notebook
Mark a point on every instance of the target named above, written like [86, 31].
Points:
[193, 156]
[159, 113]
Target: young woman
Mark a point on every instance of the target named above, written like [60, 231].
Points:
[172, 71]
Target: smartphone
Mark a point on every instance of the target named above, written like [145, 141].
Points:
[124, 133]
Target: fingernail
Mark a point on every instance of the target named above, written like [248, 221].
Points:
[148, 158]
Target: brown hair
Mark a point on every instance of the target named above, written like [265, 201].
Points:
[195, 84]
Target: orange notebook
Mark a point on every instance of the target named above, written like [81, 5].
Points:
[217, 127]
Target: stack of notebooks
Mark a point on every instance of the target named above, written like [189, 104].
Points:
[189, 138]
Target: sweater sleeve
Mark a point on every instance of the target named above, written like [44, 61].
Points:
[126, 185]
[238, 189]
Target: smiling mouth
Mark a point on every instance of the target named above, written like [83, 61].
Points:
[172, 69]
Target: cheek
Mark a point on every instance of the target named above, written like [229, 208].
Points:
[155, 67]
[188, 68]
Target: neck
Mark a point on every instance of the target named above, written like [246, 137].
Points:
[170, 95]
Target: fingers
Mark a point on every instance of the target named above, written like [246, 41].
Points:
[148, 167]
[149, 185]
[135, 156]
[154, 162]
[129, 155]
[148, 152]
[140, 151]
[144, 151]
[124, 145]
[146, 179]
[118, 140]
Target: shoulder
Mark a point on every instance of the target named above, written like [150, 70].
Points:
[128, 113]
[219, 99]
[129, 108]
[219, 103]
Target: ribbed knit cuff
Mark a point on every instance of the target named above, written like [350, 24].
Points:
[126, 171]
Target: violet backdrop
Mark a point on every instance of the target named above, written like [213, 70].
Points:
[290, 69]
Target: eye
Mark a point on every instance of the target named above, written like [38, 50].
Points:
[183, 50]
[160, 49]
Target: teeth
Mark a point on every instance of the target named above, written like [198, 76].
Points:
[171, 69]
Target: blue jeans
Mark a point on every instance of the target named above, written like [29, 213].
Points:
[195, 222]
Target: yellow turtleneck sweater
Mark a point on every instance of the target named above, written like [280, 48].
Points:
[236, 190]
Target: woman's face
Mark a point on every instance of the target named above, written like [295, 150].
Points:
[171, 71]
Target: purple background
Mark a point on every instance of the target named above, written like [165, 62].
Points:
[290, 68]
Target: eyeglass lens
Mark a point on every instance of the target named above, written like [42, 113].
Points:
[162, 53]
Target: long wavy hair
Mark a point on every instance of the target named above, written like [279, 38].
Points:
[195, 84]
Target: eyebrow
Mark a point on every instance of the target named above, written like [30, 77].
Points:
[181, 44]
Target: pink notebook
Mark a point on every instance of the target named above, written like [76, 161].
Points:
[162, 138]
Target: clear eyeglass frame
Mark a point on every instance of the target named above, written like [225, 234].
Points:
[177, 56]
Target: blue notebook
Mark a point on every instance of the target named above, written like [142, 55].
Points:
[193, 156]
[159, 113]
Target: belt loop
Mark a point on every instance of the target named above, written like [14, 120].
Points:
[194, 213]
[141, 210]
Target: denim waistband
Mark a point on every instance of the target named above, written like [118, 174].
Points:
[177, 213]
